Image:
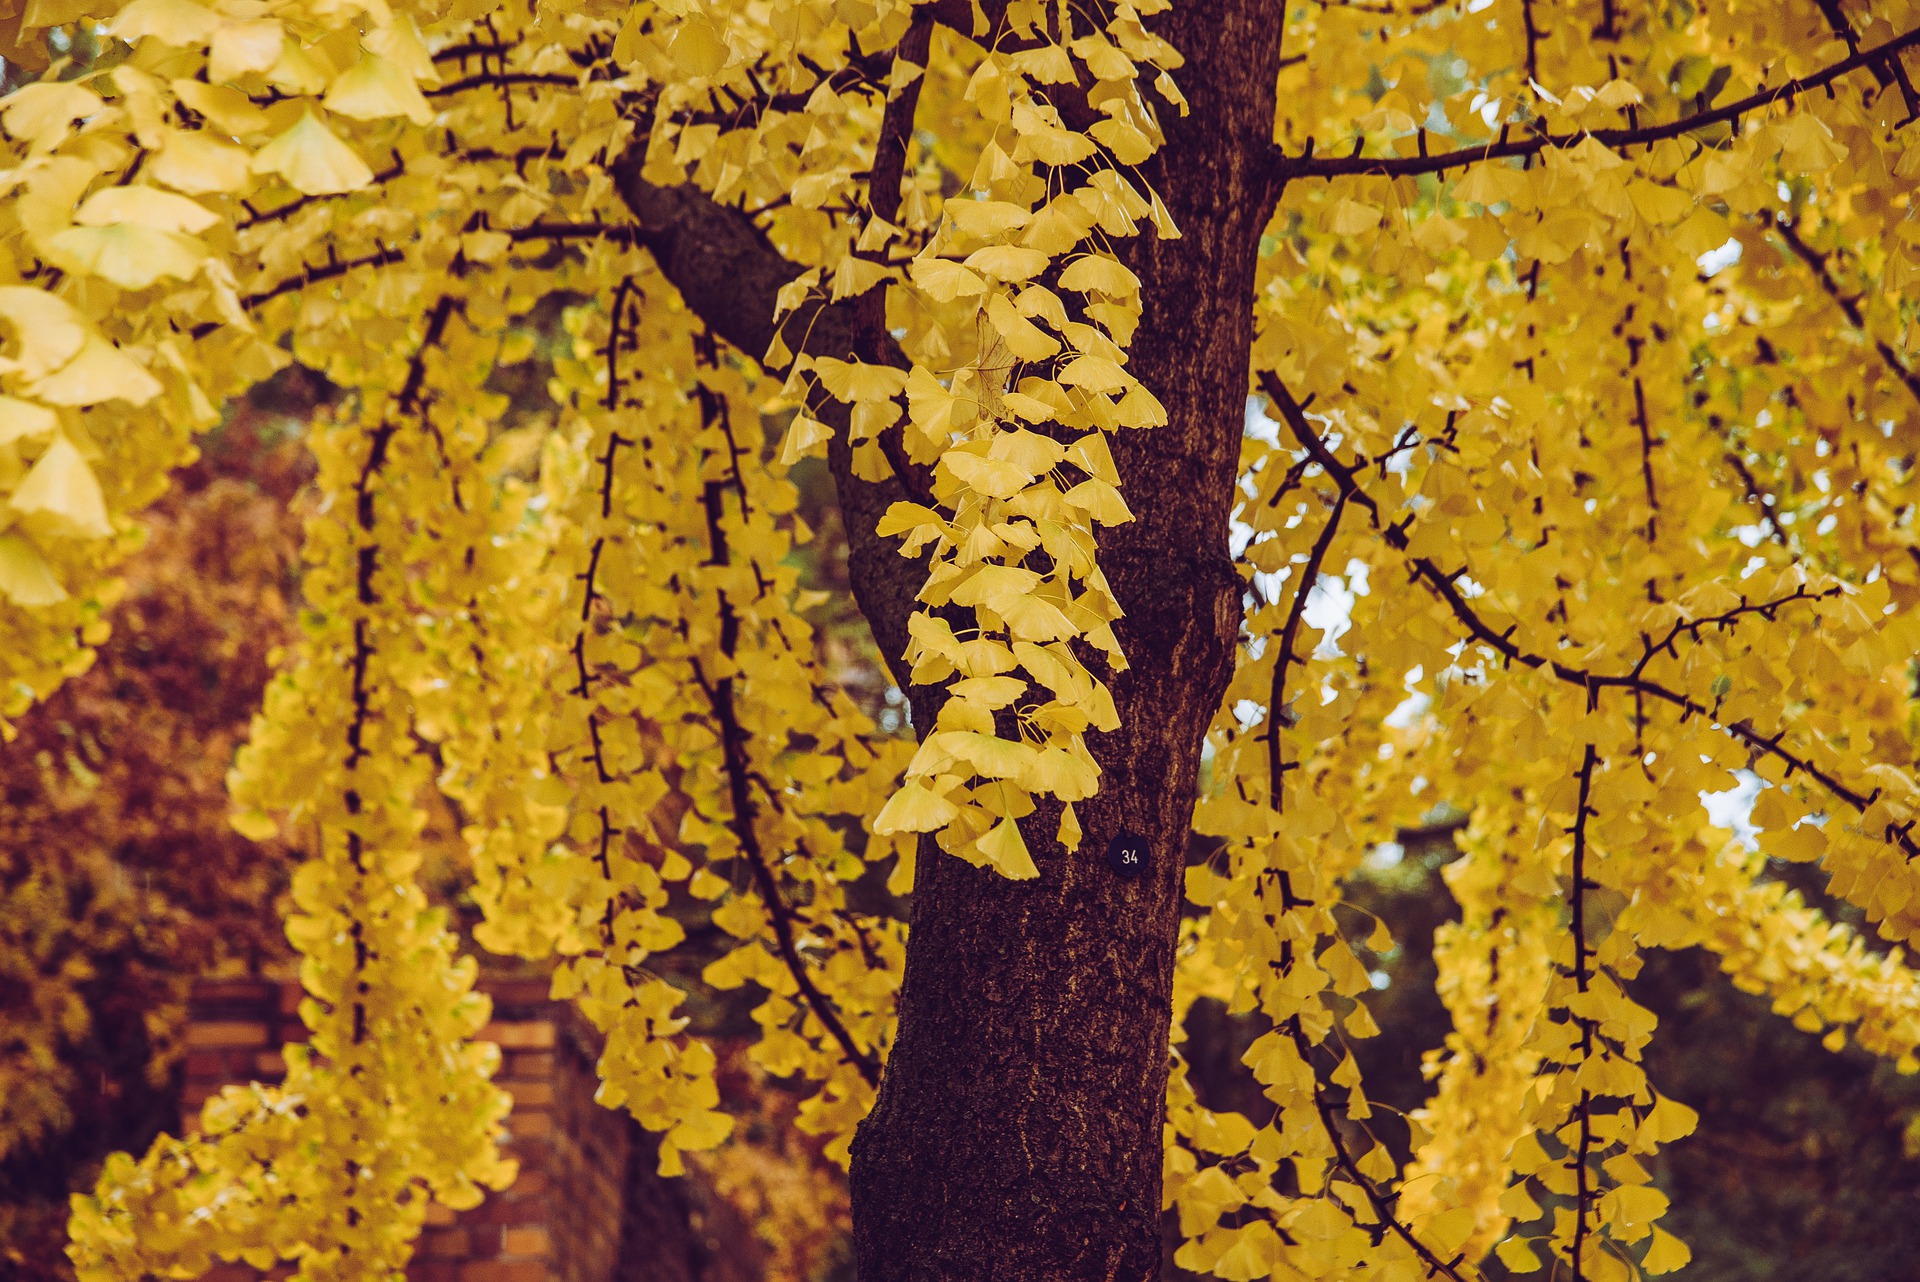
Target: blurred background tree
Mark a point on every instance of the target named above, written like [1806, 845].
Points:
[120, 879]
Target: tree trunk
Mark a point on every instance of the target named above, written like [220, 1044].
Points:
[1017, 1133]
[1018, 1129]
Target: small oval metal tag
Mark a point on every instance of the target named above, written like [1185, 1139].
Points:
[1127, 854]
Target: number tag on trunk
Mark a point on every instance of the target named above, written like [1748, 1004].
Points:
[1127, 854]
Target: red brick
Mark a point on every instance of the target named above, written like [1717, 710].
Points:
[537, 1065]
[217, 1066]
[531, 1240]
[533, 1124]
[517, 992]
[527, 1094]
[486, 1241]
[446, 1244]
[533, 1154]
[506, 1210]
[237, 992]
[504, 1271]
[520, 1035]
[226, 1032]
[433, 1271]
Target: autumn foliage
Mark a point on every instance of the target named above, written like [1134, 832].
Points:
[1255, 433]
[121, 878]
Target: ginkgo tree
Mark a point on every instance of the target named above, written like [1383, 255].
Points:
[1567, 340]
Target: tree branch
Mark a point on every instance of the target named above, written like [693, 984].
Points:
[1276, 697]
[1286, 168]
[730, 275]
[1849, 307]
[1443, 586]
[1582, 953]
[1382, 1203]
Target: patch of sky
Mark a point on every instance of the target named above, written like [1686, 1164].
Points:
[1732, 808]
[1387, 854]
[1715, 261]
[1409, 709]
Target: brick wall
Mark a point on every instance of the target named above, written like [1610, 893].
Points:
[588, 1206]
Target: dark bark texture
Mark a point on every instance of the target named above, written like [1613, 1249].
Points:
[1018, 1130]
[1017, 1133]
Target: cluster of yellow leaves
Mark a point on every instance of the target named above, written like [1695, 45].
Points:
[1022, 477]
[617, 686]
[391, 1086]
[1570, 481]
[702, 745]
[1587, 490]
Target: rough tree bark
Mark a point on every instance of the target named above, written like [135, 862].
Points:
[1017, 1133]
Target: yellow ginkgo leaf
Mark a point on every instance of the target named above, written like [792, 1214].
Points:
[313, 160]
[251, 44]
[1669, 1120]
[996, 586]
[49, 332]
[193, 162]
[995, 478]
[1657, 204]
[1029, 618]
[399, 42]
[227, 108]
[62, 489]
[1007, 262]
[1100, 501]
[1091, 455]
[806, 437]
[1069, 834]
[300, 70]
[1006, 850]
[1028, 450]
[175, 22]
[914, 808]
[101, 372]
[373, 89]
[701, 1131]
[698, 48]
[1449, 1229]
[1351, 218]
[40, 113]
[25, 577]
[990, 757]
[131, 257]
[1667, 1253]
[1063, 774]
[143, 206]
[986, 217]
[858, 381]
[1095, 373]
[1518, 1255]
[20, 418]
[54, 185]
[945, 280]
